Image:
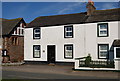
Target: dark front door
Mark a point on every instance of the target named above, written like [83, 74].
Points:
[51, 53]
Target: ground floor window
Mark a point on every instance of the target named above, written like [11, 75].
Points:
[36, 51]
[15, 40]
[68, 51]
[4, 52]
[117, 52]
[103, 51]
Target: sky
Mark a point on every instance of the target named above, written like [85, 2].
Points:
[30, 10]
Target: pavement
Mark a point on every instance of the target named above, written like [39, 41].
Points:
[53, 72]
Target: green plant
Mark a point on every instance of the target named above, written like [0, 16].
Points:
[87, 60]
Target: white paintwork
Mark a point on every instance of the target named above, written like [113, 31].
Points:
[117, 64]
[19, 29]
[84, 42]
[87, 68]
[117, 60]
[115, 53]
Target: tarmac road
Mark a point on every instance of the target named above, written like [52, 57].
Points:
[53, 72]
[27, 75]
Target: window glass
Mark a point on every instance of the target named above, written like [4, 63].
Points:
[36, 51]
[117, 52]
[103, 51]
[68, 31]
[103, 26]
[68, 51]
[36, 33]
[103, 30]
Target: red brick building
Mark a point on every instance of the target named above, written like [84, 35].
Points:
[13, 40]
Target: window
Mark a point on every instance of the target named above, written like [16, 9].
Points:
[68, 51]
[117, 52]
[15, 41]
[18, 31]
[36, 33]
[36, 51]
[103, 30]
[103, 50]
[68, 31]
[4, 52]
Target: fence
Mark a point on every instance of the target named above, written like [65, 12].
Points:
[96, 64]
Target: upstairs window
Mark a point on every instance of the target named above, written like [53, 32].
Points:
[68, 31]
[103, 30]
[68, 51]
[103, 50]
[36, 51]
[36, 33]
[18, 31]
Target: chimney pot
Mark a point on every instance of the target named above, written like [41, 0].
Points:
[90, 7]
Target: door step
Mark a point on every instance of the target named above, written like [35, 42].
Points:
[51, 64]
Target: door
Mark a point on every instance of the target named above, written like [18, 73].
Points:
[51, 53]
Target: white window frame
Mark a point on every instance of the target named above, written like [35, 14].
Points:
[99, 30]
[115, 52]
[70, 31]
[71, 51]
[99, 51]
[36, 50]
[18, 31]
[34, 33]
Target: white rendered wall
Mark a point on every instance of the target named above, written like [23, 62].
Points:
[54, 36]
[85, 41]
[92, 40]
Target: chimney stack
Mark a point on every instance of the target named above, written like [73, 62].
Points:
[90, 7]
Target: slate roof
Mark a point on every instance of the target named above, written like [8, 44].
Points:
[116, 43]
[77, 18]
[104, 15]
[9, 25]
[58, 20]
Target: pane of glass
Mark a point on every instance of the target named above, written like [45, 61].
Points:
[36, 54]
[103, 47]
[103, 32]
[69, 48]
[103, 54]
[69, 29]
[68, 33]
[117, 52]
[37, 35]
[68, 54]
[103, 26]
[37, 30]
[37, 48]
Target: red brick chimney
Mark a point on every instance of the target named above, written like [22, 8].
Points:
[90, 7]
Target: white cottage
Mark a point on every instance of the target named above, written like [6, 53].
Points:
[62, 38]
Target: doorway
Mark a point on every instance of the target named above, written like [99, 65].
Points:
[51, 53]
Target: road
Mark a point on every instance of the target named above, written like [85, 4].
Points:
[52, 72]
[27, 75]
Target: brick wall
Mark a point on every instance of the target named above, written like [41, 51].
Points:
[15, 48]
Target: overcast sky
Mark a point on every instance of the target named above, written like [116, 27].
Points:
[31, 10]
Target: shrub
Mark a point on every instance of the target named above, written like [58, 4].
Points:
[87, 60]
